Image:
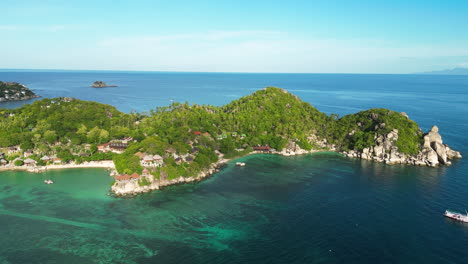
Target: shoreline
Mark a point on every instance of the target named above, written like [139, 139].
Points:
[106, 164]
[132, 188]
[22, 99]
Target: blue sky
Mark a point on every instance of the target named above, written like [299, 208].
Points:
[235, 36]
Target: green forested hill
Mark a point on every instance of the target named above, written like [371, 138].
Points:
[62, 119]
[269, 116]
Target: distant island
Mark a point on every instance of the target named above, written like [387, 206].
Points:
[184, 143]
[454, 71]
[101, 84]
[13, 91]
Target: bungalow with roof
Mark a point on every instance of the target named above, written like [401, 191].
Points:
[243, 136]
[198, 133]
[220, 137]
[28, 153]
[158, 159]
[151, 161]
[30, 162]
[46, 158]
[57, 160]
[14, 150]
[104, 147]
[126, 177]
[234, 134]
[179, 160]
[206, 134]
[147, 161]
[265, 148]
[3, 162]
[116, 147]
[145, 172]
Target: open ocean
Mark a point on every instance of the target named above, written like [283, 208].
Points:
[319, 208]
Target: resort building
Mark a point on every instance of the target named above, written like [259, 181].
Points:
[13, 150]
[116, 147]
[46, 158]
[262, 148]
[151, 161]
[30, 162]
[127, 177]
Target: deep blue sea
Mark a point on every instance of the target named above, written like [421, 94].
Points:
[319, 208]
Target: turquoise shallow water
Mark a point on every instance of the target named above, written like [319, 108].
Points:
[320, 208]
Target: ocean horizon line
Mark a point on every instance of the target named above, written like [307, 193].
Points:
[197, 72]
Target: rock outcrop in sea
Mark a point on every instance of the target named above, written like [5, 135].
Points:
[431, 153]
[101, 84]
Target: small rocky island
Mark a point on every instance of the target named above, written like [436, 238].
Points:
[101, 84]
[13, 91]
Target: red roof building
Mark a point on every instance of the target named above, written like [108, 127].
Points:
[262, 148]
[126, 177]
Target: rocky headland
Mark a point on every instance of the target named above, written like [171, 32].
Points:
[133, 186]
[13, 91]
[431, 153]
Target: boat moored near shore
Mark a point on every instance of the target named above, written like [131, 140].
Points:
[457, 216]
[48, 182]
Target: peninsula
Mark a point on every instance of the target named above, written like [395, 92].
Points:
[183, 143]
[13, 91]
[101, 84]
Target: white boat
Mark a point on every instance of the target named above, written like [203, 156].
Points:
[48, 181]
[457, 216]
[241, 164]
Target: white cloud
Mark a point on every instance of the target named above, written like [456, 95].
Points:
[230, 51]
[266, 51]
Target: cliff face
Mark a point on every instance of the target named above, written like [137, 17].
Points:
[431, 153]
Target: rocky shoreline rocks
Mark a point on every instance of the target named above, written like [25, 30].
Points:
[432, 152]
[132, 187]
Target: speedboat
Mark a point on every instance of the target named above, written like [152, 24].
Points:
[48, 181]
[457, 216]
